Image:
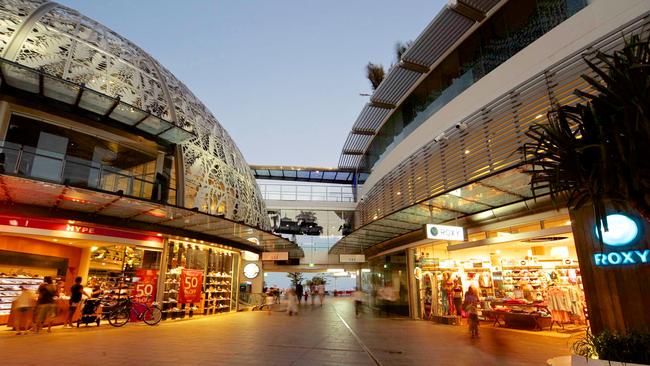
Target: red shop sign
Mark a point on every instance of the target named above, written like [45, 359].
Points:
[73, 229]
[191, 283]
[144, 291]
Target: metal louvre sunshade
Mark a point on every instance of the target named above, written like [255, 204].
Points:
[447, 28]
[482, 5]
[16, 190]
[498, 190]
[370, 118]
[398, 81]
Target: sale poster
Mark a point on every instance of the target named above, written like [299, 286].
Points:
[145, 283]
[191, 285]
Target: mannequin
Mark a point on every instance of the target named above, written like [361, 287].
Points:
[447, 293]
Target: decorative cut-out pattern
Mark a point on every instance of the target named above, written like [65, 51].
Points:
[66, 44]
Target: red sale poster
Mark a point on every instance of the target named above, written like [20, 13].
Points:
[144, 289]
[191, 284]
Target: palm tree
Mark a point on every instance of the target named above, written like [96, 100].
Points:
[597, 152]
[401, 48]
[375, 73]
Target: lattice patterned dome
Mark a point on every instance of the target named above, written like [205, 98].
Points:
[64, 43]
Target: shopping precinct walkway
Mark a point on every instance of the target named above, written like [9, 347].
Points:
[318, 336]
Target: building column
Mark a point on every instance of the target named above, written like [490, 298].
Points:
[412, 286]
[84, 264]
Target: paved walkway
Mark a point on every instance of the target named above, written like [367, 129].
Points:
[318, 336]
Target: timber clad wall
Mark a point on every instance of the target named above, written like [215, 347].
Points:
[618, 297]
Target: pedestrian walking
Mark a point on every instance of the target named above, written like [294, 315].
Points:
[470, 305]
[269, 301]
[306, 295]
[45, 305]
[292, 302]
[357, 295]
[299, 292]
[312, 292]
[23, 304]
[321, 293]
[76, 293]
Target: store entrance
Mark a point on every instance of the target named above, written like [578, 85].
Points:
[526, 281]
[111, 270]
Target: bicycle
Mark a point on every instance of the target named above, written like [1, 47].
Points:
[121, 313]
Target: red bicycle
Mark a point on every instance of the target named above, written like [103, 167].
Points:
[121, 313]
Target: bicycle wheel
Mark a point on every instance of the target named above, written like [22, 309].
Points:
[119, 317]
[152, 315]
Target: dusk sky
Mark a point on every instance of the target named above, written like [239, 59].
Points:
[283, 77]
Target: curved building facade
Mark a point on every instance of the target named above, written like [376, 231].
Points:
[64, 44]
[447, 203]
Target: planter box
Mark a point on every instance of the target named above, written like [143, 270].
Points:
[581, 361]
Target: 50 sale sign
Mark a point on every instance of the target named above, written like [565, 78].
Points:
[144, 290]
[191, 284]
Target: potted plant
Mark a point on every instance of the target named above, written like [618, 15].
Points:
[611, 348]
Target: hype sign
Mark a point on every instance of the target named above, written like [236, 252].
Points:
[622, 231]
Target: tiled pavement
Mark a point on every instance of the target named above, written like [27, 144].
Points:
[315, 337]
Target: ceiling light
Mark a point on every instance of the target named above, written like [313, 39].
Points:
[55, 239]
[93, 249]
[365, 270]
[539, 116]
[467, 152]
[159, 234]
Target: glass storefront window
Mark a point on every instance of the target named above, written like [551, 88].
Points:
[46, 151]
[388, 278]
[198, 280]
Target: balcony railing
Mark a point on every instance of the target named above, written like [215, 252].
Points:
[289, 192]
[45, 165]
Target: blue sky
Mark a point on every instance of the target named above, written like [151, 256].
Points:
[283, 77]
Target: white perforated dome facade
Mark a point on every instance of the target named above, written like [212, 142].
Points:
[66, 44]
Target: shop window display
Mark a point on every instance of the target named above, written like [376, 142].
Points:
[198, 280]
[519, 286]
[116, 270]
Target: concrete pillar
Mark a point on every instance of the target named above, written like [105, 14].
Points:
[5, 115]
[84, 264]
[412, 286]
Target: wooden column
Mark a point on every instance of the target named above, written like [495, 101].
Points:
[618, 296]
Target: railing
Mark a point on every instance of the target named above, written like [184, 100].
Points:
[490, 141]
[288, 192]
[41, 164]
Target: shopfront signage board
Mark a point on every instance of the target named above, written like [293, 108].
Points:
[444, 232]
[275, 256]
[72, 229]
[191, 284]
[352, 258]
[623, 231]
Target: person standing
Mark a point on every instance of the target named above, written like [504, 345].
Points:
[23, 304]
[299, 291]
[292, 302]
[45, 305]
[357, 295]
[321, 293]
[471, 307]
[458, 299]
[312, 292]
[76, 293]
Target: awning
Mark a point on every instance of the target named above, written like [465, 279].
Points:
[484, 195]
[98, 207]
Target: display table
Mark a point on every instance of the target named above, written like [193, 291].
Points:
[61, 314]
[515, 319]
